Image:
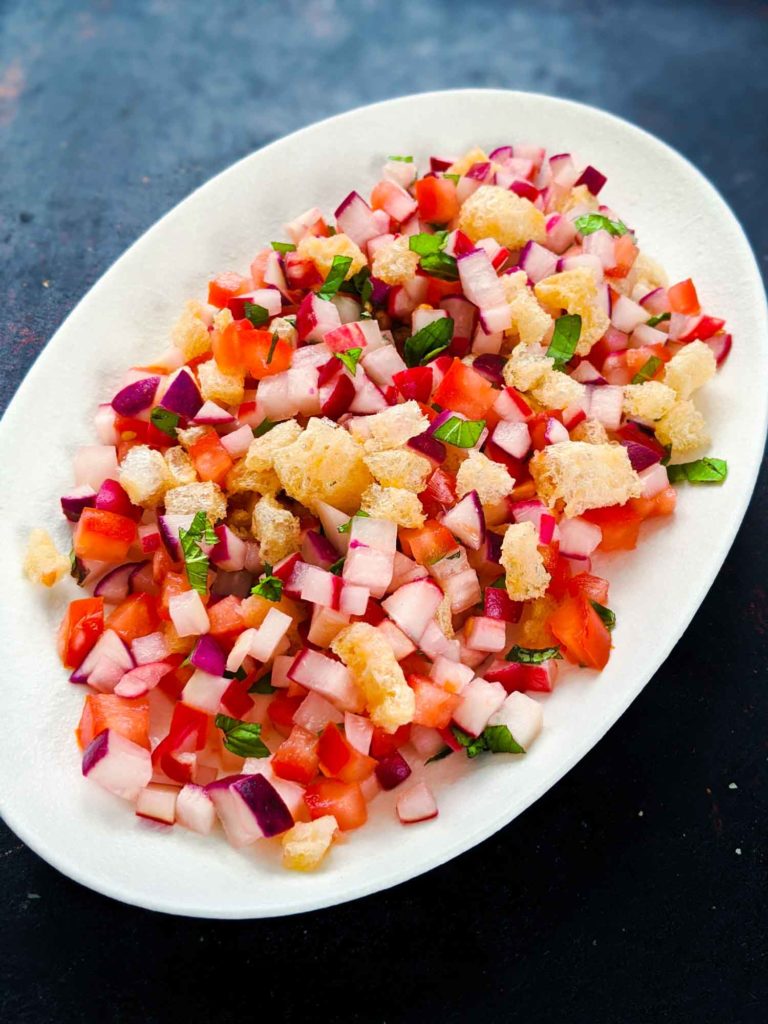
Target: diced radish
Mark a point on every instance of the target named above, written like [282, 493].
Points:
[249, 808]
[434, 643]
[606, 404]
[560, 232]
[578, 538]
[188, 614]
[238, 442]
[152, 647]
[451, 675]
[331, 519]
[422, 317]
[380, 534]
[554, 431]
[516, 676]
[382, 364]
[158, 803]
[523, 716]
[466, 521]
[105, 664]
[654, 479]
[211, 414]
[412, 606]
[269, 635]
[397, 640]
[229, 551]
[317, 550]
[537, 261]
[367, 567]
[513, 438]
[314, 319]
[308, 222]
[315, 712]
[95, 463]
[627, 315]
[581, 260]
[358, 731]
[463, 590]
[416, 804]
[140, 680]
[498, 605]
[280, 666]
[325, 626]
[406, 571]
[104, 422]
[357, 220]
[391, 771]
[482, 633]
[195, 810]
[327, 677]
[204, 691]
[116, 763]
[479, 700]
[479, 280]
[512, 406]
[425, 741]
[600, 244]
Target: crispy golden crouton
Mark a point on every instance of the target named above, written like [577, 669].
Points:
[531, 322]
[463, 164]
[393, 427]
[513, 284]
[395, 263]
[190, 436]
[306, 844]
[322, 250]
[190, 332]
[217, 386]
[323, 464]
[400, 468]
[690, 368]
[683, 428]
[490, 479]
[493, 212]
[557, 391]
[144, 476]
[584, 475]
[526, 367]
[577, 196]
[444, 617]
[526, 576]
[648, 401]
[179, 467]
[240, 479]
[576, 292]
[534, 624]
[393, 503]
[590, 431]
[190, 498]
[376, 673]
[260, 455]
[222, 318]
[43, 562]
[277, 530]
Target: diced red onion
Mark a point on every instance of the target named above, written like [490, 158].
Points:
[135, 397]
[392, 770]
[78, 499]
[182, 395]
[208, 656]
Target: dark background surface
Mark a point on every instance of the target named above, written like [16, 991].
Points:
[635, 890]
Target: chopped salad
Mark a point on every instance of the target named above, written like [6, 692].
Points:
[349, 523]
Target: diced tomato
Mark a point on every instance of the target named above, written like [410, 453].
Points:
[582, 632]
[537, 426]
[438, 290]
[615, 369]
[81, 627]
[173, 583]
[129, 718]
[344, 800]
[296, 758]
[434, 705]
[384, 744]
[661, 504]
[416, 663]
[264, 356]
[227, 347]
[437, 200]
[636, 359]
[559, 570]
[373, 615]
[211, 459]
[415, 383]
[620, 525]
[428, 543]
[136, 616]
[222, 288]
[300, 272]
[440, 493]
[464, 390]
[682, 298]
[517, 468]
[225, 617]
[339, 759]
[102, 536]
[188, 732]
[634, 432]
[281, 710]
[593, 587]
[624, 253]
[702, 328]
[162, 563]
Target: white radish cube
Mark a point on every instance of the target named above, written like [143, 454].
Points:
[327, 677]
[401, 645]
[325, 626]
[117, 764]
[522, 715]
[358, 731]
[158, 803]
[204, 691]
[188, 614]
[434, 643]
[450, 674]
[315, 712]
[194, 809]
[512, 437]
[269, 635]
[478, 702]
[482, 633]
[416, 804]
[412, 606]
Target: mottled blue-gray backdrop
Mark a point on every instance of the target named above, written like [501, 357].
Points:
[633, 892]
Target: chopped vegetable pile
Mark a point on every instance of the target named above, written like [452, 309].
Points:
[344, 527]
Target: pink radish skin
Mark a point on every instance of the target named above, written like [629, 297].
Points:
[416, 804]
[479, 701]
[157, 802]
[194, 809]
[413, 606]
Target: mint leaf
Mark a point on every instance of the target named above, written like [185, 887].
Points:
[242, 738]
[592, 222]
[658, 319]
[440, 265]
[439, 755]
[257, 314]
[702, 471]
[429, 342]
[402, 159]
[455, 178]
[426, 244]
[361, 284]
[195, 559]
[647, 370]
[346, 527]
[264, 427]
[336, 277]
[473, 745]
[608, 617]
[533, 655]
[460, 433]
[350, 358]
[239, 674]
[272, 347]
[283, 246]
[565, 338]
[269, 587]
[263, 685]
[337, 567]
[499, 740]
[164, 420]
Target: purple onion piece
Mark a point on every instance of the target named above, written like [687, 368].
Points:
[208, 656]
[380, 291]
[439, 420]
[492, 548]
[95, 751]
[112, 497]
[135, 397]
[183, 396]
[640, 457]
[392, 770]
[116, 584]
[491, 367]
[318, 550]
[237, 583]
[266, 804]
[593, 179]
[79, 498]
[428, 446]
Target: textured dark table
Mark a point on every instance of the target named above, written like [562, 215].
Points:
[635, 890]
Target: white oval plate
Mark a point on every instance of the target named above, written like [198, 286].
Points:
[95, 838]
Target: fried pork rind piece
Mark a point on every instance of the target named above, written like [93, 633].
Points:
[493, 212]
[43, 562]
[584, 476]
[144, 476]
[190, 498]
[576, 292]
[277, 530]
[376, 673]
[526, 576]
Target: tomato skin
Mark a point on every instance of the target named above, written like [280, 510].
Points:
[296, 759]
[224, 287]
[225, 617]
[593, 587]
[428, 543]
[211, 459]
[262, 357]
[439, 494]
[384, 744]
[415, 383]
[188, 732]
[682, 298]
[173, 583]
[281, 710]
[434, 705]
[437, 200]
[102, 536]
[581, 632]
[128, 717]
[81, 627]
[620, 525]
[136, 616]
[344, 800]
[661, 504]
[339, 759]
[464, 390]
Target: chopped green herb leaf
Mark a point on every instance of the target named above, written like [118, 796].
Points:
[272, 347]
[499, 740]
[701, 471]
[533, 655]
[240, 674]
[336, 276]
[429, 342]
[257, 314]
[337, 567]
[473, 745]
[164, 420]
[242, 738]
[402, 159]
[195, 559]
[441, 266]
[77, 570]
[426, 244]
[565, 338]
[456, 554]
[500, 583]
[346, 527]
[361, 284]
[453, 177]
[283, 246]
[350, 358]
[647, 371]
[269, 587]
[263, 685]
[658, 319]
[608, 617]
[264, 427]
[439, 755]
[592, 222]
[460, 433]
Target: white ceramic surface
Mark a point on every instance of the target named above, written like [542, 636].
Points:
[93, 837]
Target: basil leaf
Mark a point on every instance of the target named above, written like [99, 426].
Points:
[240, 674]
[263, 685]
[499, 740]
[195, 559]
[338, 567]
[402, 159]
[702, 471]
[264, 427]
[361, 283]
[283, 246]
[429, 342]
[272, 347]
[77, 570]
[164, 420]
[608, 617]
[336, 277]
[258, 315]
[426, 244]
[647, 370]
[439, 755]
[440, 265]
[455, 178]
[350, 358]
[473, 745]
[460, 433]
[658, 319]
[592, 222]
[533, 655]
[269, 587]
[500, 583]
[346, 527]
[565, 338]
[242, 738]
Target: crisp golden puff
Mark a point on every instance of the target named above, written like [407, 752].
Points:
[376, 673]
[584, 476]
[521, 559]
[493, 212]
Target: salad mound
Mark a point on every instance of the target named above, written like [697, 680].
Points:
[353, 520]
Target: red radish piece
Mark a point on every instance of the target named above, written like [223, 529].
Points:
[483, 633]
[204, 691]
[412, 606]
[466, 521]
[512, 406]
[401, 645]
[498, 605]
[117, 764]
[523, 716]
[315, 317]
[140, 680]
[135, 397]
[578, 538]
[105, 664]
[654, 479]
[450, 674]
[188, 613]
[269, 635]
[358, 731]
[479, 700]
[149, 648]
[315, 712]
[434, 643]
[211, 414]
[416, 804]
[317, 550]
[249, 808]
[157, 802]
[391, 771]
[463, 590]
[514, 675]
[357, 220]
[327, 677]
[195, 810]
[537, 261]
